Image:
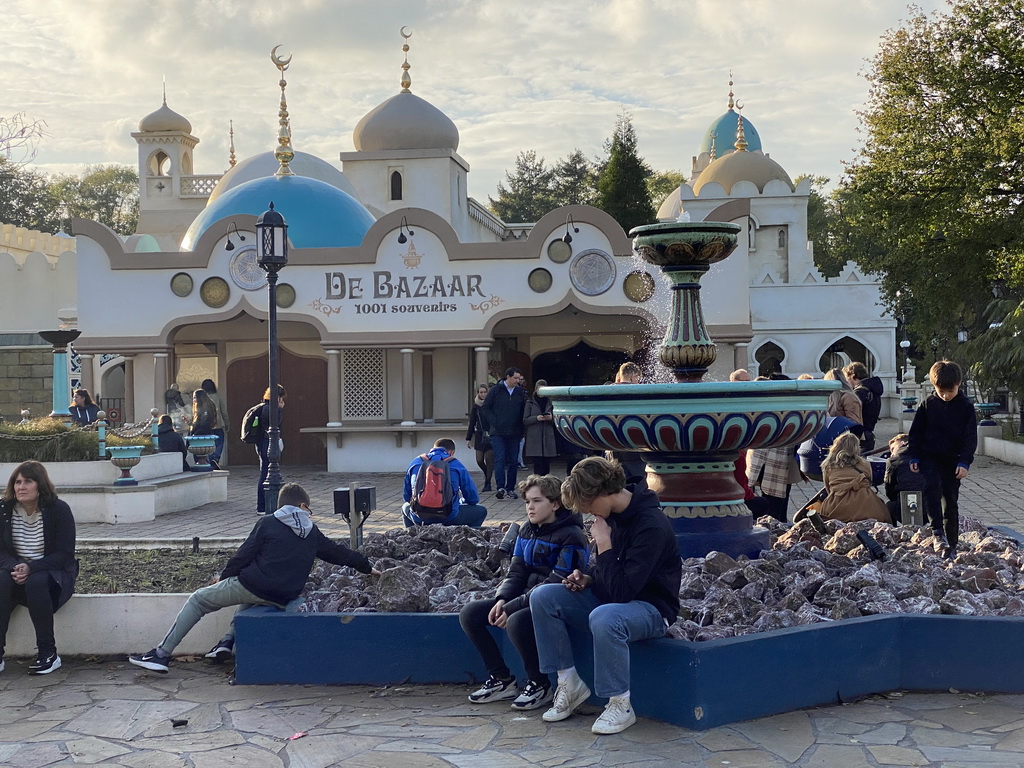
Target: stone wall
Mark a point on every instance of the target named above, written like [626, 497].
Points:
[26, 381]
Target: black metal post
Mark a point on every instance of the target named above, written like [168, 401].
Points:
[272, 485]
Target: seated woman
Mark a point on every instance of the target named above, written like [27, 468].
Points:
[169, 441]
[82, 409]
[847, 478]
[37, 558]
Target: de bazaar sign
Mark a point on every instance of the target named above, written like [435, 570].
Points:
[382, 292]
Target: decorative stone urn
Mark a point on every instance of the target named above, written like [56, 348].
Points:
[201, 446]
[124, 457]
[690, 432]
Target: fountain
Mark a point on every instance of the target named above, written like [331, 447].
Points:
[691, 432]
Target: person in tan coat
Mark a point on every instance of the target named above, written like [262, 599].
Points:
[843, 402]
[847, 478]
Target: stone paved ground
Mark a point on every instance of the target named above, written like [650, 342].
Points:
[991, 493]
[111, 713]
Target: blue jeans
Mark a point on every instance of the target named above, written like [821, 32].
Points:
[218, 447]
[468, 514]
[613, 626]
[506, 461]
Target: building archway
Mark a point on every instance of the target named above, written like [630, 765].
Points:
[846, 350]
[580, 364]
[769, 357]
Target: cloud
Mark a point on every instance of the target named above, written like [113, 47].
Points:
[548, 76]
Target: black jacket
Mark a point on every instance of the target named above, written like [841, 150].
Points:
[84, 415]
[169, 441]
[900, 477]
[942, 430]
[643, 563]
[502, 411]
[58, 545]
[544, 554]
[274, 563]
[870, 393]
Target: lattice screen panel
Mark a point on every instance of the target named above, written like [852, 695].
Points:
[363, 384]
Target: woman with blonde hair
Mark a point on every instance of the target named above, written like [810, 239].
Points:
[843, 402]
[847, 478]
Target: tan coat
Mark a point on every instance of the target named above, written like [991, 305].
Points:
[847, 404]
[850, 495]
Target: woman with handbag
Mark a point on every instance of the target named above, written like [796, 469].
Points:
[478, 440]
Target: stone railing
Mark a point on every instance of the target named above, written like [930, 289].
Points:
[198, 186]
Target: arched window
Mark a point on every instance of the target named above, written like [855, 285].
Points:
[843, 351]
[159, 164]
[782, 239]
[769, 357]
[396, 185]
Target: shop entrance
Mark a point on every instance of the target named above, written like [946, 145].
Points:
[581, 364]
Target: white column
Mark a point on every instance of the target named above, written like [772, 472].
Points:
[333, 387]
[160, 382]
[427, 368]
[740, 355]
[408, 393]
[88, 376]
[480, 369]
[128, 416]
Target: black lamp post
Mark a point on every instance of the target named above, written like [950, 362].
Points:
[272, 250]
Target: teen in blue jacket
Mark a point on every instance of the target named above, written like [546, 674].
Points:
[466, 508]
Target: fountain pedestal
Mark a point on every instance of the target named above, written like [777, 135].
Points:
[691, 432]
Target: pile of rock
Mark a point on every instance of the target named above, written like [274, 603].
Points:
[806, 578]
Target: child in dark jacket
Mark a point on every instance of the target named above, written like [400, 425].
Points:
[943, 438]
[270, 568]
[900, 477]
[551, 545]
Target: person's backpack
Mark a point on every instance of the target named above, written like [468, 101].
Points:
[432, 496]
[252, 428]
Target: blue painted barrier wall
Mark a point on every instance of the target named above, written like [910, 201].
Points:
[695, 685]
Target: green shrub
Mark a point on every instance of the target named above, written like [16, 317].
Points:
[49, 440]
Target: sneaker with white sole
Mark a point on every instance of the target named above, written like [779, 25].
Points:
[222, 651]
[533, 696]
[44, 664]
[500, 493]
[1, 665]
[494, 690]
[511, 495]
[617, 717]
[568, 696]
[151, 660]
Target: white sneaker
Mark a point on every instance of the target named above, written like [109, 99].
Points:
[494, 689]
[617, 717]
[568, 696]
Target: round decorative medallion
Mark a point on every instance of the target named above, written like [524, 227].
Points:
[181, 284]
[245, 270]
[540, 280]
[559, 252]
[215, 292]
[638, 286]
[285, 295]
[592, 272]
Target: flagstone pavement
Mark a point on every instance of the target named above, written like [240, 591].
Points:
[107, 712]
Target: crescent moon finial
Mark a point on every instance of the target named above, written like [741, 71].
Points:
[739, 104]
[405, 34]
[281, 64]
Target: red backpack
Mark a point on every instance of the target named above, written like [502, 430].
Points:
[432, 495]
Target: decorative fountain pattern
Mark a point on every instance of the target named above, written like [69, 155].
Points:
[690, 431]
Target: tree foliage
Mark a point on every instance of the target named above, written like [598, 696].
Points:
[934, 200]
[575, 181]
[26, 199]
[822, 226]
[622, 186]
[18, 136]
[528, 195]
[661, 184]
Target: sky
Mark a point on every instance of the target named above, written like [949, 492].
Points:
[546, 75]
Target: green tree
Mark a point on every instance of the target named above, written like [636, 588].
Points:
[574, 181]
[26, 199]
[105, 193]
[822, 226]
[529, 194]
[622, 186]
[934, 200]
[661, 184]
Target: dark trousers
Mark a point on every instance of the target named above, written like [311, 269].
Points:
[541, 465]
[261, 451]
[942, 496]
[473, 619]
[39, 593]
[218, 447]
[506, 461]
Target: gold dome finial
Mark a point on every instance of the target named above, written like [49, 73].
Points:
[714, 135]
[731, 102]
[284, 152]
[231, 143]
[741, 138]
[406, 80]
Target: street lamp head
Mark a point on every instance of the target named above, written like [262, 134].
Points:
[905, 344]
[271, 240]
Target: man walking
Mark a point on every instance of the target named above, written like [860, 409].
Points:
[502, 413]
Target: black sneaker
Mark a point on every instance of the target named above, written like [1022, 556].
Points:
[44, 664]
[494, 690]
[222, 651]
[500, 493]
[533, 696]
[151, 660]
[512, 495]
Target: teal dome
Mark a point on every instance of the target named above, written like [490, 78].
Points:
[318, 215]
[723, 132]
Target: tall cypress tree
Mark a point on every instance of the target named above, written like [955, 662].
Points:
[622, 186]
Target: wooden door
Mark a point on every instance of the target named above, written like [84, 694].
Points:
[305, 381]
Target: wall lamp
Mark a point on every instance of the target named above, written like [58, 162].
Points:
[403, 228]
[567, 238]
[231, 246]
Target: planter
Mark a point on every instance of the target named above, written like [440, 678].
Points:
[124, 457]
[201, 446]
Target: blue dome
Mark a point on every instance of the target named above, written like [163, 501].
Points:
[723, 130]
[318, 215]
